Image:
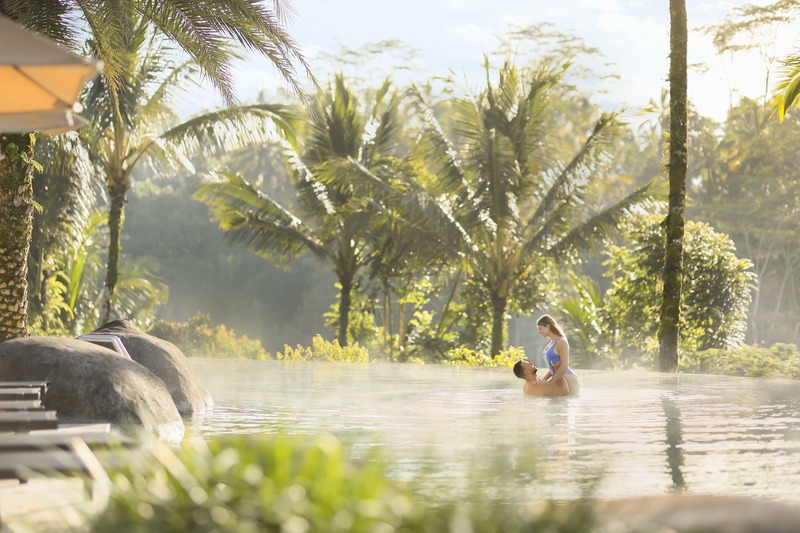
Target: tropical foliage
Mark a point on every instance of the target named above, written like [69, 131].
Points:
[201, 338]
[518, 205]
[322, 350]
[334, 218]
[619, 326]
[208, 31]
[284, 483]
[779, 360]
[748, 188]
[132, 121]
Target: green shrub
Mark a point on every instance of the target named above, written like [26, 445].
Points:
[463, 356]
[322, 350]
[779, 360]
[258, 483]
[716, 292]
[198, 337]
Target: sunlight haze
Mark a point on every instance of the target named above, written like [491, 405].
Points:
[453, 36]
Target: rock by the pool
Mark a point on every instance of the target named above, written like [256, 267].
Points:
[89, 383]
[166, 361]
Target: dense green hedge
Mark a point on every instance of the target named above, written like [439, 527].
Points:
[779, 360]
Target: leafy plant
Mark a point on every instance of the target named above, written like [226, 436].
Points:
[517, 204]
[258, 483]
[717, 289]
[322, 350]
[199, 337]
[779, 360]
[463, 356]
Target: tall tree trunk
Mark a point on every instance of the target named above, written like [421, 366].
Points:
[669, 327]
[446, 306]
[385, 316]
[117, 189]
[499, 325]
[401, 324]
[345, 302]
[16, 223]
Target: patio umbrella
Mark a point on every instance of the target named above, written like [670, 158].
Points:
[39, 82]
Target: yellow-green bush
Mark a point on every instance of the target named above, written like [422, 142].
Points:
[463, 356]
[322, 350]
[198, 337]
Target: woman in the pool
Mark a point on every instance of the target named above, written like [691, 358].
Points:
[560, 380]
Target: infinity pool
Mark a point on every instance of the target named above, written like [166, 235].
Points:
[449, 430]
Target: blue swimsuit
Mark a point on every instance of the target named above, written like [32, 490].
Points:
[552, 358]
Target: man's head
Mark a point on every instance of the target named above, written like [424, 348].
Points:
[524, 369]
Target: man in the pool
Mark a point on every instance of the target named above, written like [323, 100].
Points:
[541, 387]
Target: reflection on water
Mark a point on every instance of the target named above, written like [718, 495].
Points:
[628, 434]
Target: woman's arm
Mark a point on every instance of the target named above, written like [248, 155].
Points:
[562, 349]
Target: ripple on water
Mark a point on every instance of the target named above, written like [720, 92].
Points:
[449, 429]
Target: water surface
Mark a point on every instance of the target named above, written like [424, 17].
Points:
[448, 430]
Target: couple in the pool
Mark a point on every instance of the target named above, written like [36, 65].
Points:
[560, 380]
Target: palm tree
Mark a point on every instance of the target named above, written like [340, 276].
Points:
[209, 31]
[519, 205]
[669, 324]
[133, 121]
[333, 218]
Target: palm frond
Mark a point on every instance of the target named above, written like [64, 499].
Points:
[573, 176]
[50, 18]
[383, 130]
[437, 151]
[310, 192]
[255, 221]
[600, 226]
[109, 22]
[788, 87]
[219, 131]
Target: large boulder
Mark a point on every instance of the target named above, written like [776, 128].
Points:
[89, 383]
[166, 361]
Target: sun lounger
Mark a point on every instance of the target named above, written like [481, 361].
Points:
[26, 457]
[25, 421]
[41, 385]
[20, 405]
[112, 342]
[20, 393]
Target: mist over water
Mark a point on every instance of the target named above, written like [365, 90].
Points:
[448, 431]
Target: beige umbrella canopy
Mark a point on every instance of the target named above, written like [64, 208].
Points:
[39, 82]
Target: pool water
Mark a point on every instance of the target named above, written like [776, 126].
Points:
[447, 431]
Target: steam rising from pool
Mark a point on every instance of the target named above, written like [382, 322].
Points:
[450, 430]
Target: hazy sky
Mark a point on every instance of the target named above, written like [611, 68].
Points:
[453, 35]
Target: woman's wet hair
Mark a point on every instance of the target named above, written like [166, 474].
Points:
[518, 370]
[547, 320]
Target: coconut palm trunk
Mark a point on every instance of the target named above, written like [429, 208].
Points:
[117, 189]
[345, 303]
[499, 323]
[16, 223]
[669, 327]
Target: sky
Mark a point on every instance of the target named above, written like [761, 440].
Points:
[452, 36]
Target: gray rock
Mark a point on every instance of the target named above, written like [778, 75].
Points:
[166, 361]
[695, 513]
[92, 384]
